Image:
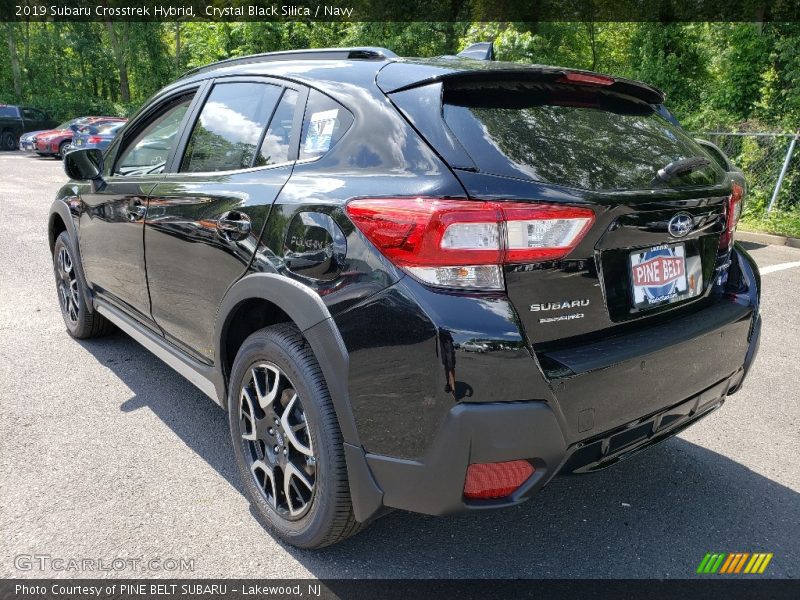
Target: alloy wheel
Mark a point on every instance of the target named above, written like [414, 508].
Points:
[276, 437]
[67, 286]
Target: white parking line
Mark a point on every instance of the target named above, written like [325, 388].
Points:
[779, 267]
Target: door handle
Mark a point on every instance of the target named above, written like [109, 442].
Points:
[136, 211]
[233, 225]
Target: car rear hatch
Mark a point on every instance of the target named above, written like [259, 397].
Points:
[552, 136]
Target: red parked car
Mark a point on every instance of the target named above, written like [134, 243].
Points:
[56, 141]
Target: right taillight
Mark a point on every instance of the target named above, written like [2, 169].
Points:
[733, 210]
[464, 243]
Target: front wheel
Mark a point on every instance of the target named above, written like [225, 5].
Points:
[287, 441]
[62, 150]
[71, 297]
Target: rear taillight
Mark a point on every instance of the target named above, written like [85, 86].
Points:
[733, 210]
[94, 139]
[464, 243]
[487, 481]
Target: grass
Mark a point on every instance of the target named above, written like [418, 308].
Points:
[778, 222]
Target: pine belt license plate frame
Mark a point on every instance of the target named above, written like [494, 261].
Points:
[663, 274]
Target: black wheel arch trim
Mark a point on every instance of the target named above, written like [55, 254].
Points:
[306, 309]
[309, 313]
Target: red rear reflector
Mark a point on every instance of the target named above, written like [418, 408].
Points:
[585, 79]
[486, 481]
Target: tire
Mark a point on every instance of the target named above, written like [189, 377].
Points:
[7, 141]
[274, 373]
[71, 289]
[62, 148]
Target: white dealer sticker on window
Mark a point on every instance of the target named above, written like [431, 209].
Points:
[320, 131]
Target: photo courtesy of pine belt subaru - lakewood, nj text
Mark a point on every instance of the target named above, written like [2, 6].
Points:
[427, 284]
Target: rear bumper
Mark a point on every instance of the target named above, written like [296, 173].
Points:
[601, 414]
[472, 433]
[499, 432]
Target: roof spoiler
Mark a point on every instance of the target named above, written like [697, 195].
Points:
[478, 51]
[395, 80]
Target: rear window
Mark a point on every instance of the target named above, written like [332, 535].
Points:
[101, 128]
[8, 111]
[110, 128]
[569, 135]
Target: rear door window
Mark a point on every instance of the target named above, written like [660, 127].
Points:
[568, 135]
[228, 131]
[324, 123]
[275, 147]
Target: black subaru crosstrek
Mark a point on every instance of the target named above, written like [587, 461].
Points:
[426, 284]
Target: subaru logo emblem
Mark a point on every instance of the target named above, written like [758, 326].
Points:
[680, 225]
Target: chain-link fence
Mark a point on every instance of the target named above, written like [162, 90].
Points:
[763, 157]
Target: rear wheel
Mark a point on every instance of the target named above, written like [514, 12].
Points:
[71, 297]
[287, 441]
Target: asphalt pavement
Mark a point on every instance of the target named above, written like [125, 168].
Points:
[107, 453]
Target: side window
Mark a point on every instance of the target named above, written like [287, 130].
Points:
[226, 135]
[148, 152]
[325, 122]
[274, 147]
[30, 114]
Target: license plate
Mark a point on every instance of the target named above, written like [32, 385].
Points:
[79, 143]
[664, 274]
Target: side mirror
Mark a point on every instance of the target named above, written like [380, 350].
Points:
[85, 164]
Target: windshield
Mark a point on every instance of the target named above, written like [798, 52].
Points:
[570, 135]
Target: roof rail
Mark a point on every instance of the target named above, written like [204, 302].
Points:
[357, 53]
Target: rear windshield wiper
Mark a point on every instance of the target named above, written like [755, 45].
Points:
[681, 167]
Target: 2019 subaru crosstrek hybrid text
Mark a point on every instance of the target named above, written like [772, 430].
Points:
[426, 284]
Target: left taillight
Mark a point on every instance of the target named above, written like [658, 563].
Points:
[464, 243]
[733, 210]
